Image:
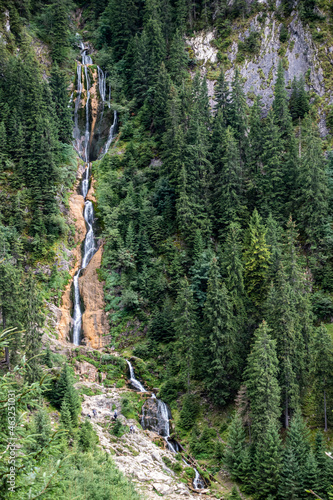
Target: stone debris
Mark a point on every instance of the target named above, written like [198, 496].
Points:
[135, 454]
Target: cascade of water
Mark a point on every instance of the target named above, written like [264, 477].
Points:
[101, 83]
[77, 316]
[85, 182]
[89, 242]
[135, 383]
[87, 131]
[111, 133]
[164, 424]
[76, 132]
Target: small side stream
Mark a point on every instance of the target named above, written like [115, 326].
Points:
[156, 416]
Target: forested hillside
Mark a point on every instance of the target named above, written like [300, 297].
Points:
[208, 220]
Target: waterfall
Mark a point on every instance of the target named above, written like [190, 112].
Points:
[77, 316]
[76, 132]
[111, 133]
[89, 242]
[87, 131]
[163, 416]
[135, 383]
[101, 83]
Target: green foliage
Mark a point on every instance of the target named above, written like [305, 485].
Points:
[87, 437]
[189, 411]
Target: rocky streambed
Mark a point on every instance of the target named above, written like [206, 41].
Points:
[136, 455]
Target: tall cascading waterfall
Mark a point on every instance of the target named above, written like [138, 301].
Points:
[163, 416]
[83, 150]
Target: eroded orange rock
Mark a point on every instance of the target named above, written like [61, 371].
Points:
[76, 207]
[95, 325]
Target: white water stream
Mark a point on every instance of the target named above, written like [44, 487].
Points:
[83, 149]
[163, 417]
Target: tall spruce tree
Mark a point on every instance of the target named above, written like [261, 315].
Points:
[256, 258]
[262, 383]
[222, 349]
[186, 328]
[322, 362]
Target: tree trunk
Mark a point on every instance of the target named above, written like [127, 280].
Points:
[325, 411]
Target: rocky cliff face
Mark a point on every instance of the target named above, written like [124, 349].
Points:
[94, 321]
[301, 56]
[64, 319]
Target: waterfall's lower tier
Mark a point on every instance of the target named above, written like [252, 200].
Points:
[156, 416]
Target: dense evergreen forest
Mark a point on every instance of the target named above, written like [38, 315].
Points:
[216, 220]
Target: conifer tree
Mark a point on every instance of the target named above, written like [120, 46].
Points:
[185, 326]
[234, 494]
[261, 381]
[230, 189]
[290, 486]
[267, 463]
[236, 444]
[60, 31]
[42, 429]
[256, 257]
[271, 182]
[65, 416]
[280, 103]
[60, 99]
[160, 100]
[281, 317]
[178, 59]
[323, 465]
[238, 116]
[312, 186]
[222, 95]
[224, 364]
[322, 362]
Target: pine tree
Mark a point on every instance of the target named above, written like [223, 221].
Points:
[267, 463]
[230, 189]
[311, 478]
[65, 416]
[87, 436]
[32, 336]
[290, 486]
[238, 115]
[322, 362]
[312, 186]
[255, 153]
[270, 183]
[224, 363]
[323, 465]
[261, 381]
[60, 31]
[234, 494]
[65, 391]
[161, 95]
[236, 444]
[280, 103]
[282, 318]
[178, 59]
[60, 99]
[256, 258]
[222, 96]
[185, 325]
[42, 429]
